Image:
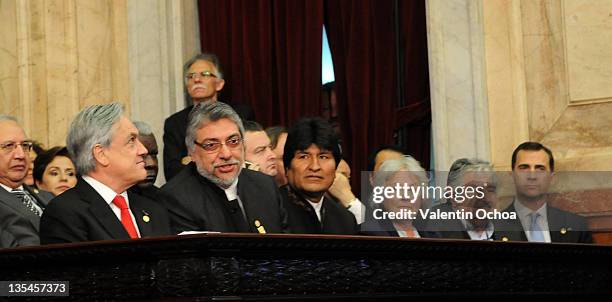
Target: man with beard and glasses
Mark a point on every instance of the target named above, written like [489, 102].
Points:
[464, 173]
[214, 193]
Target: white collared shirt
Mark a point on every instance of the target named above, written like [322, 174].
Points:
[317, 207]
[402, 233]
[524, 214]
[108, 195]
[232, 193]
[487, 234]
[10, 190]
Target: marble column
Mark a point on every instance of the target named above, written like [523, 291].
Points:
[455, 40]
[163, 34]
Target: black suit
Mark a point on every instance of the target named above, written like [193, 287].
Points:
[175, 128]
[81, 214]
[196, 204]
[565, 227]
[335, 219]
[19, 225]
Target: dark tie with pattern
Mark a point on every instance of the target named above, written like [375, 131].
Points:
[27, 200]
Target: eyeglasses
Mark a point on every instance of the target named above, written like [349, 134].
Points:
[203, 74]
[11, 146]
[213, 146]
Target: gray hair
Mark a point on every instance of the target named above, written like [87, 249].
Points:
[92, 126]
[464, 165]
[143, 128]
[207, 56]
[205, 113]
[4, 117]
[407, 163]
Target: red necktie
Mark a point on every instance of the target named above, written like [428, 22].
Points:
[126, 218]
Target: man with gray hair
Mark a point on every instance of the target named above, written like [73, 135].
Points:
[465, 173]
[20, 207]
[203, 82]
[214, 193]
[110, 159]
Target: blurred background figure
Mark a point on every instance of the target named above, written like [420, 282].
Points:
[36, 149]
[54, 171]
[278, 137]
[147, 138]
[258, 150]
[403, 171]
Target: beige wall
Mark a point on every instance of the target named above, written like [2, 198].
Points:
[57, 56]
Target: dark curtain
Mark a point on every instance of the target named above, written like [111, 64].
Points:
[415, 116]
[362, 41]
[270, 52]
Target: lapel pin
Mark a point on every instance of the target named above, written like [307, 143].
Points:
[563, 231]
[260, 228]
[504, 239]
[145, 216]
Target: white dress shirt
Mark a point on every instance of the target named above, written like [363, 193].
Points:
[317, 207]
[108, 195]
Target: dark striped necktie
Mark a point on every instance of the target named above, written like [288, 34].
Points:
[27, 200]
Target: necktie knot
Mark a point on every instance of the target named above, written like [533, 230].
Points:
[119, 201]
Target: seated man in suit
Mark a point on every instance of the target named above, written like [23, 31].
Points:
[110, 159]
[20, 207]
[203, 83]
[311, 156]
[533, 168]
[464, 173]
[147, 186]
[214, 193]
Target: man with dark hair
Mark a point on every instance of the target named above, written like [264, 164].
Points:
[311, 156]
[537, 221]
[203, 82]
[147, 138]
[258, 150]
[214, 193]
[278, 137]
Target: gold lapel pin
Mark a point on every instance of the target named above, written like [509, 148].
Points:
[260, 228]
[505, 239]
[145, 216]
[563, 231]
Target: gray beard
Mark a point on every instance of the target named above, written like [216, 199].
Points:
[224, 184]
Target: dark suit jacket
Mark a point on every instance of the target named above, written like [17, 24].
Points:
[335, 219]
[454, 229]
[175, 128]
[196, 204]
[16, 230]
[80, 214]
[25, 230]
[563, 226]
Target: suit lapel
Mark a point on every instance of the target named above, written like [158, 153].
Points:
[102, 211]
[555, 224]
[142, 215]
[11, 201]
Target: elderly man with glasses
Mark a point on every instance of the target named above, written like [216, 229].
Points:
[214, 193]
[203, 83]
[20, 207]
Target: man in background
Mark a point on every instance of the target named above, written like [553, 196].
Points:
[258, 151]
